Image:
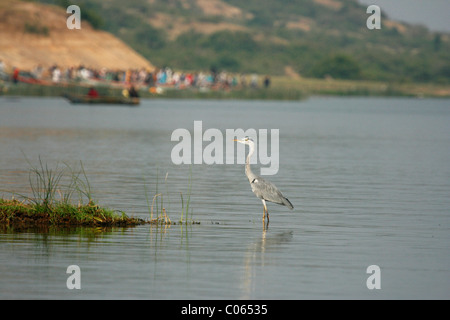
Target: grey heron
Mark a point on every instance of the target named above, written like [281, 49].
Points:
[263, 189]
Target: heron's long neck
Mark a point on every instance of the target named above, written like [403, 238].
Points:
[248, 171]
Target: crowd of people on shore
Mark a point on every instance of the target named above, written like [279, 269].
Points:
[163, 77]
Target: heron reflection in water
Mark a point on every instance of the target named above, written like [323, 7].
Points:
[263, 189]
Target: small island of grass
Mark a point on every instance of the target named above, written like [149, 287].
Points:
[51, 204]
[17, 213]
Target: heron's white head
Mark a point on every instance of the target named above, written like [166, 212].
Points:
[245, 140]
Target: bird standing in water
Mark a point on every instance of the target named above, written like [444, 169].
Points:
[263, 189]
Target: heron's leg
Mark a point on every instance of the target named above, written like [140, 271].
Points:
[265, 210]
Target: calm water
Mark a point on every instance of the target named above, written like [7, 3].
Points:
[369, 179]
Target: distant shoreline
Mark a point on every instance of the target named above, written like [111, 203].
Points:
[281, 88]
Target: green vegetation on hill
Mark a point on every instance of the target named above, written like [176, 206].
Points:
[265, 36]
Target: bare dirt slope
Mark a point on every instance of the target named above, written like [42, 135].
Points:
[34, 34]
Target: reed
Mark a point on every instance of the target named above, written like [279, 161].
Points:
[157, 208]
[185, 210]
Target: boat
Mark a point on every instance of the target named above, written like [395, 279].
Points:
[84, 99]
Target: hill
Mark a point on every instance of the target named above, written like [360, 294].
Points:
[34, 34]
[310, 38]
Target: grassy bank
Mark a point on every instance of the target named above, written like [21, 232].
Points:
[336, 87]
[17, 213]
[281, 88]
[279, 93]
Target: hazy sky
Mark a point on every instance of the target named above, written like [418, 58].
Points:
[432, 13]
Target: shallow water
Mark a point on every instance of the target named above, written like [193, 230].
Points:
[369, 179]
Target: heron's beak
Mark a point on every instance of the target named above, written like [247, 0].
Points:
[235, 140]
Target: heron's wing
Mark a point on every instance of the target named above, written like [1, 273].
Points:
[266, 190]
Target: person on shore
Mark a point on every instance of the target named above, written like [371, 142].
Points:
[267, 81]
[3, 74]
[37, 71]
[56, 74]
[254, 81]
[132, 93]
[15, 75]
[92, 93]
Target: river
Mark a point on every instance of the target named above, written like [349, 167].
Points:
[369, 179]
